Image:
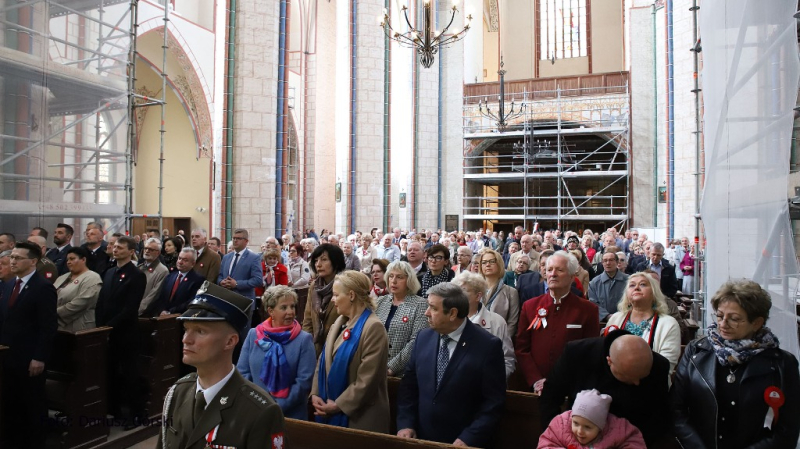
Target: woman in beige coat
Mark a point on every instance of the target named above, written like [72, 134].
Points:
[77, 293]
[500, 298]
[349, 386]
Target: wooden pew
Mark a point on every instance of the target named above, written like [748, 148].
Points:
[77, 386]
[302, 299]
[311, 435]
[160, 357]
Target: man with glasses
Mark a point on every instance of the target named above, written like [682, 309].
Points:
[241, 269]
[98, 259]
[606, 290]
[438, 272]
[28, 324]
[208, 260]
[154, 271]
[666, 272]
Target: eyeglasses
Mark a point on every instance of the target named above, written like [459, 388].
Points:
[20, 258]
[436, 258]
[731, 321]
[238, 238]
[151, 249]
[489, 262]
[292, 251]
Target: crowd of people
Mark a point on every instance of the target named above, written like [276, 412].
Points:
[457, 316]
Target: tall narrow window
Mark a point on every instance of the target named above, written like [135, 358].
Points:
[563, 29]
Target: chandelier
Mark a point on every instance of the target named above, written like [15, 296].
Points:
[501, 117]
[427, 40]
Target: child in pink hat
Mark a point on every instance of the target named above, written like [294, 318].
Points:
[589, 425]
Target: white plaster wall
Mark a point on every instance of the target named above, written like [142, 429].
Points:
[342, 108]
[453, 59]
[326, 116]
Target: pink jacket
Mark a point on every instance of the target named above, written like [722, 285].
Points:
[618, 434]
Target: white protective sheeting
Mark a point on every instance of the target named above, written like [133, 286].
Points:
[750, 76]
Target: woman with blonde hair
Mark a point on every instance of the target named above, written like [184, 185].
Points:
[366, 253]
[643, 311]
[402, 313]
[349, 387]
[278, 356]
[500, 298]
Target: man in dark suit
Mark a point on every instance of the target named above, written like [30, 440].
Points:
[28, 324]
[58, 255]
[118, 307]
[179, 287]
[622, 366]
[453, 390]
[666, 271]
[98, 259]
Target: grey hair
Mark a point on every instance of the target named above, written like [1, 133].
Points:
[657, 246]
[191, 251]
[572, 262]
[153, 240]
[200, 231]
[465, 249]
[399, 266]
[472, 281]
[274, 294]
[452, 297]
[272, 239]
[622, 256]
[5, 253]
[242, 231]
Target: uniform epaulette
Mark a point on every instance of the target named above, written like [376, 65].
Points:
[257, 396]
[191, 377]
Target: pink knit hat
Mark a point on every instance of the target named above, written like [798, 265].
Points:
[592, 405]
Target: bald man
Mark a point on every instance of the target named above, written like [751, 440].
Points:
[44, 266]
[622, 366]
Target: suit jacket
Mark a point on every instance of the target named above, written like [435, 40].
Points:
[468, 403]
[669, 281]
[97, 260]
[185, 293]
[366, 399]
[28, 328]
[118, 303]
[247, 272]
[208, 265]
[155, 274]
[246, 417]
[583, 366]
[59, 258]
[529, 285]
[77, 300]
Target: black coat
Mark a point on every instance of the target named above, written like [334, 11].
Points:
[185, 293]
[694, 402]
[59, 258]
[669, 280]
[583, 366]
[118, 303]
[28, 328]
[97, 261]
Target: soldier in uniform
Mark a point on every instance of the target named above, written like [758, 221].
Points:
[216, 407]
[45, 266]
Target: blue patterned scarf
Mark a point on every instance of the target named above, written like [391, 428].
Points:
[275, 370]
[332, 384]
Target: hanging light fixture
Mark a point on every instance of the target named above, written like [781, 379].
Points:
[501, 117]
[426, 40]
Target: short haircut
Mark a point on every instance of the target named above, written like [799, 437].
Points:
[34, 250]
[615, 253]
[472, 281]
[200, 231]
[150, 240]
[358, 283]
[127, 241]
[439, 248]
[117, 234]
[452, 297]
[242, 231]
[7, 253]
[42, 231]
[70, 230]
[611, 249]
[404, 268]
[335, 254]
[748, 294]
[272, 252]
[657, 246]
[621, 256]
[572, 262]
[79, 251]
[9, 235]
[299, 248]
[95, 225]
[274, 294]
[383, 263]
[191, 251]
[217, 240]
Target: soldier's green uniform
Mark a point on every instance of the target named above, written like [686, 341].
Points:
[240, 415]
[47, 269]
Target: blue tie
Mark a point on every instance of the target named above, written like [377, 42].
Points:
[442, 360]
[233, 265]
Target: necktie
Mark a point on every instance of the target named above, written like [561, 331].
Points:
[15, 293]
[233, 265]
[199, 406]
[175, 286]
[442, 360]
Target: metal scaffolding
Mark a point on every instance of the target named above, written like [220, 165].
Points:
[67, 83]
[564, 160]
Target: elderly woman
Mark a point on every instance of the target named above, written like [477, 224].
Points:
[475, 265]
[366, 253]
[309, 244]
[587, 244]
[379, 287]
[172, 247]
[735, 387]
[402, 313]
[622, 261]
[643, 311]
[299, 273]
[475, 286]
[77, 293]
[351, 260]
[521, 266]
[349, 388]
[500, 298]
[582, 277]
[278, 356]
[326, 262]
